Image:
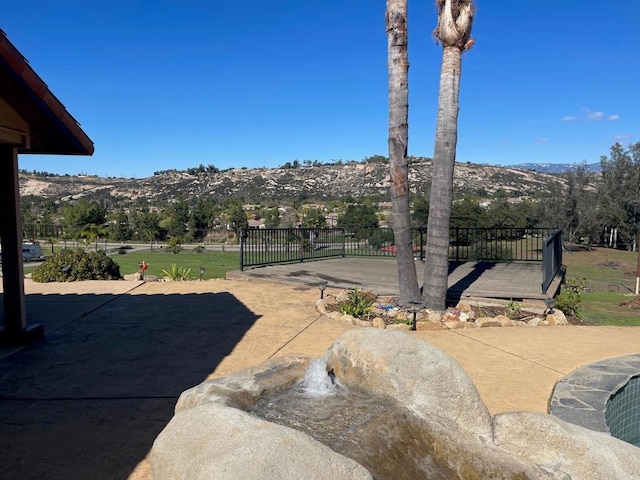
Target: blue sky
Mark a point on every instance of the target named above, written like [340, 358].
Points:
[252, 83]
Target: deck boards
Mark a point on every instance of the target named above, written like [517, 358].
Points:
[518, 280]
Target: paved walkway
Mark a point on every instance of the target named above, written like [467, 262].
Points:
[88, 401]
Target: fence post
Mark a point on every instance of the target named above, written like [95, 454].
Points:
[457, 244]
[344, 243]
[242, 234]
[301, 244]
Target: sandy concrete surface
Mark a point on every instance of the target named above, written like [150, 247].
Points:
[88, 401]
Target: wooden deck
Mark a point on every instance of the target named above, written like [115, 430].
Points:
[519, 281]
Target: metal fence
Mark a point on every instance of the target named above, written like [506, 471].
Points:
[268, 246]
[498, 244]
[551, 258]
[265, 246]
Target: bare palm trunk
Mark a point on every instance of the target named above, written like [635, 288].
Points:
[437, 258]
[453, 31]
[398, 65]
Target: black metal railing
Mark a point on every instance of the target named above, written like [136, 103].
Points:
[498, 244]
[268, 246]
[551, 258]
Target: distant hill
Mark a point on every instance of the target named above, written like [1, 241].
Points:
[320, 182]
[556, 168]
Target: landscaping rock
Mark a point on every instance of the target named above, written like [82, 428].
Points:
[378, 323]
[402, 327]
[361, 323]
[243, 388]
[454, 325]
[217, 442]
[464, 307]
[348, 319]
[557, 318]
[564, 450]
[443, 430]
[487, 322]
[420, 376]
[451, 434]
[504, 320]
[321, 306]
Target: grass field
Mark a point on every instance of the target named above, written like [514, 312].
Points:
[610, 276]
[216, 264]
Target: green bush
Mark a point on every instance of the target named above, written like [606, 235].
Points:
[199, 249]
[177, 274]
[570, 297]
[512, 308]
[358, 303]
[175, 245]
[71, 266]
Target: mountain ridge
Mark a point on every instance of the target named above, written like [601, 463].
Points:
[322, 182]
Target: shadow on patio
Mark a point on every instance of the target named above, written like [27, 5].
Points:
[89, 400]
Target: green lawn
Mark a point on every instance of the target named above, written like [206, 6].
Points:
[610, 276]
[603, 308]
[217, 264]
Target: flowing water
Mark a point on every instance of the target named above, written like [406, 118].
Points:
[374, 431]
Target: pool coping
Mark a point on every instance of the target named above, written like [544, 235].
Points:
[581, 397]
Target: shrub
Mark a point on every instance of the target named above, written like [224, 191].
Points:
[174, 245]
[177, 274]
[358, 303]
[199, 249]
[512, 308]
[70, 266]
[570, 297]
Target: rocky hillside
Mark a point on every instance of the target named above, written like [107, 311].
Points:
[323, 182]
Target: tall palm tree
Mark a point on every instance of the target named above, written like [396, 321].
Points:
[455, 18]
[398, 65]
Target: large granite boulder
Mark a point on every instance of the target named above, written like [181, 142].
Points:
[433, 425]
[213, 441]
[423, 378]
[242, 389]
[564, 450]
[446, 431]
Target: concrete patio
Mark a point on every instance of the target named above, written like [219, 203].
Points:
[88, 401]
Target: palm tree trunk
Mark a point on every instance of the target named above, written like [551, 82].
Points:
[398, 65]
[437, 259]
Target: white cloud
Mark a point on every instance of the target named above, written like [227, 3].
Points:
[613, 118]
[595, 115]
[569, 118]
[542, 140]
[621, 137]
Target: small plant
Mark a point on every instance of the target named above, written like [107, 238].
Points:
[570, 297]
[122, 251]
[175, 245]
[199, 249]
[358, 303]
[512, 308]
[177, 274]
